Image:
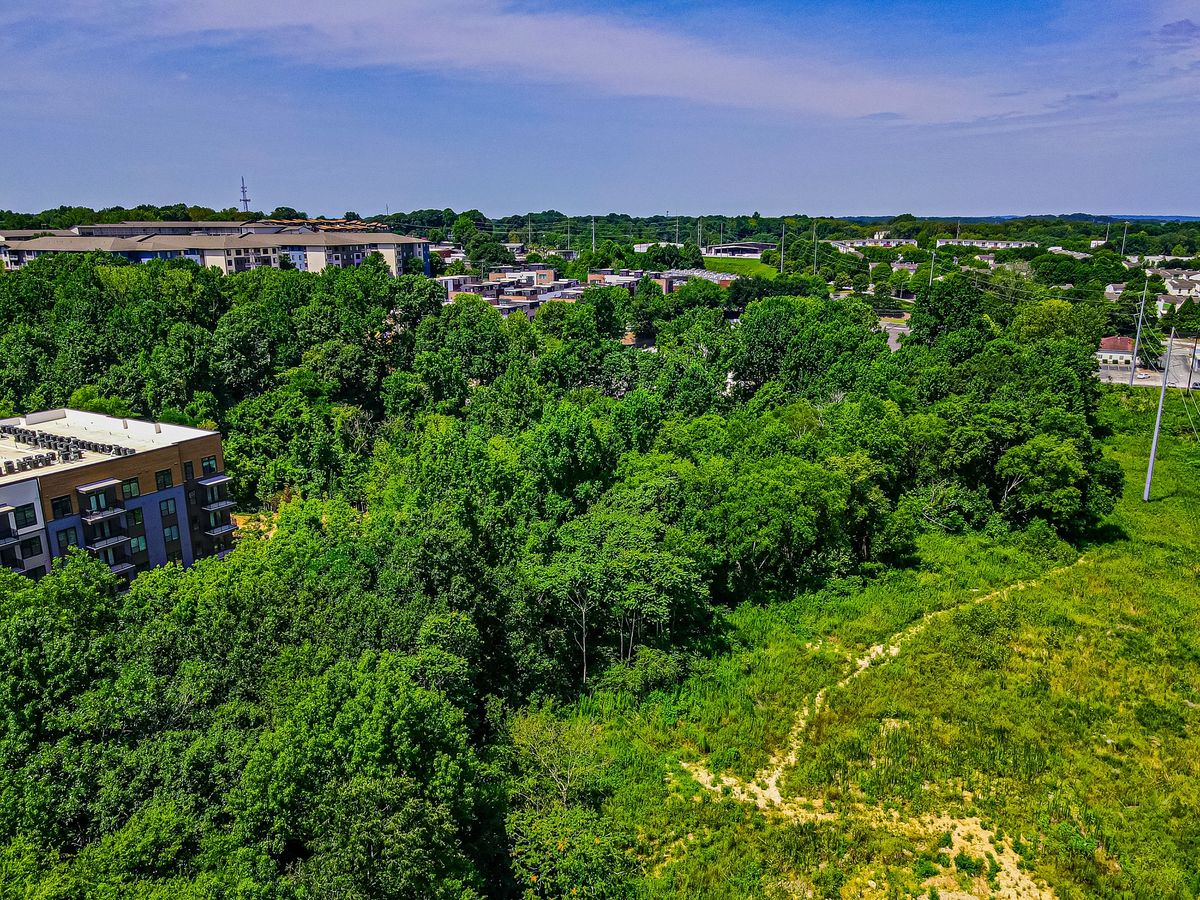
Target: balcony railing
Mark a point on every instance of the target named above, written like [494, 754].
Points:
[220, 530]
[92, 516]
[105, 543]
[218, 505]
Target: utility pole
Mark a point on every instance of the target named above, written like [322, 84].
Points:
[1125, 235]
[529, 224]
[957, 231]
[814, 246]
[245, 198]
[700, 234]
[1137, 339]
[593, 234]
[932, 266]
[1107, 228]
[722, 231]
[568, 233]
[1162, 396]
[677, 230]
[782, 240]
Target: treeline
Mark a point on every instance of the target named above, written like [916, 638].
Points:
[553, 230]
[355, 703]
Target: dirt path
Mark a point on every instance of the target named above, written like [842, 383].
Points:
[763, 790]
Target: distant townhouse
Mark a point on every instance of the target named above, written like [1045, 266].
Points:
[851, 245]
[1183, 287]
[984, 244]
[132, 493]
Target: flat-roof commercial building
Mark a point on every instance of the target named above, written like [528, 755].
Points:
[132, 493]
[740, 249]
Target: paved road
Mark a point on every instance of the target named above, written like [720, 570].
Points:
[1181, 375]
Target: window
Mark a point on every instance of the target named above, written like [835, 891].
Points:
[162, 480]
[31, 547]
[68, 537]
[208, 465]
[98, 502]
[135, 516]
[25, 516]
[137, 544]
[131, 488]
[175, 556]
[167, 507]
[189, 470]
[61, 507]
[171, 533]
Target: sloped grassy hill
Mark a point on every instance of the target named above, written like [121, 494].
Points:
[1005, 719]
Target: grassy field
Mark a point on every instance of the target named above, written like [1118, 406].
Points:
[747, 267]
[1012, 717]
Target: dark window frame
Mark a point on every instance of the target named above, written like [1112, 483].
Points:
[65, 541]
[25, 516]
[56, 507]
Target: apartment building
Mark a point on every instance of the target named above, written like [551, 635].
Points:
[985, 244]
[132, 493]
[850, 245]
[228, 246]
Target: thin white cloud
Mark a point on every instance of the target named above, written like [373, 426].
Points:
[794, 76]
[499, 41]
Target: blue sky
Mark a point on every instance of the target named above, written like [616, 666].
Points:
[867, 107]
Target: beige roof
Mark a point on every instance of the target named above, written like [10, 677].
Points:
[151, 242]
[136, 434]
[77, 244]
[18, 234]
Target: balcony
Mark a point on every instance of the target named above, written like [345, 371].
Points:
[105, 543]
[92, 516]
[221, 529]
[121, 568]
[213, 480]
[8, 539]
[218, 505]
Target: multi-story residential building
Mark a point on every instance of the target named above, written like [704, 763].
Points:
[985, 244]
[228, 246]
[848, 245]
[134, 494]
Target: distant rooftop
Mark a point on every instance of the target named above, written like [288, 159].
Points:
[86, 434]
